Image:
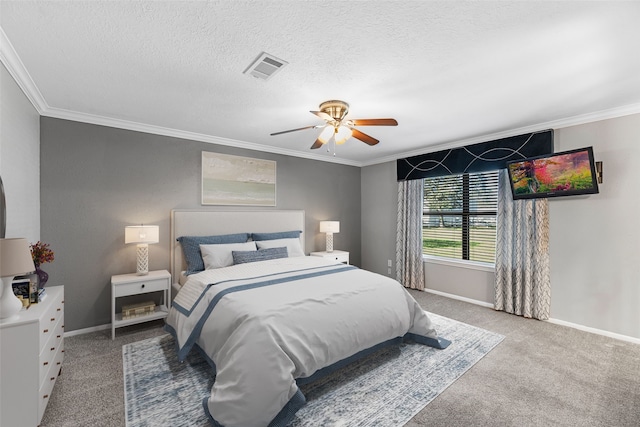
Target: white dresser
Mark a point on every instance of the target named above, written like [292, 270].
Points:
[31, 355]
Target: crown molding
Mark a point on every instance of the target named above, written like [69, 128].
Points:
[581, 119]
[18, 71]
[59, 113]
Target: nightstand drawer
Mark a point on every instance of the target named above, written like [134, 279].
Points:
[340, 256]
[140, 287]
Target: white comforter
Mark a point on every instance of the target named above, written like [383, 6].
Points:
[265, 324]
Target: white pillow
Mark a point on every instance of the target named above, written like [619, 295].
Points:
[293, 246]
[217, 256]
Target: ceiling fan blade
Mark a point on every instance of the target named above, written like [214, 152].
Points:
[364, 137]
[374, 122]
[322, 115]
[317, 144]
[293, 130]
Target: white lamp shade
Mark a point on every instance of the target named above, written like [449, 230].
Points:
[142, 234]
[329, 226]
[15, 257]
[343, 134]
[326, 134]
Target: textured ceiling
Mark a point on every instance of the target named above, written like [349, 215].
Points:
[449, 72]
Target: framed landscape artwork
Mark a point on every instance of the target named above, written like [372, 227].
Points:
[235, 180]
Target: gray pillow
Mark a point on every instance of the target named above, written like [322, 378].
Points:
[191, 248]
[278, 235]
[242, 257]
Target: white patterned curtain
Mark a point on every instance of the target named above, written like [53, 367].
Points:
[409, 269]
[523, 284]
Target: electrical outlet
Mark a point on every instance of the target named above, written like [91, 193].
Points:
[389, 271]
[389, 264]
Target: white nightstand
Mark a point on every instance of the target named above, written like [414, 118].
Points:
[342, 256]
[124, 285]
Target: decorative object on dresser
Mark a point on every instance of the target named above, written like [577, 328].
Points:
[15, 259]
[125, 285]
[32, 356]
[142, 235]
[41, 254]
[341, 256]
[329, 227]
[22, 288]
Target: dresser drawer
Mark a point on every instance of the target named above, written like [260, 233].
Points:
[46, 387]
[53, 318]
[50, 351]
[125, 289]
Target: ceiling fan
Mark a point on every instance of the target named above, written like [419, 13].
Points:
[334, 112]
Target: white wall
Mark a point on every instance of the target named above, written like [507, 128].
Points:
[19, 159]
[594, 240]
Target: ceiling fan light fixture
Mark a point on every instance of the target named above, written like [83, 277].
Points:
[326, 134]
[336, 125]
[343, 133]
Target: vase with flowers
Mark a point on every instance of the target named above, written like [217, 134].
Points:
[41, 253]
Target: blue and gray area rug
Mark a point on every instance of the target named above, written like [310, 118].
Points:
[385, 389]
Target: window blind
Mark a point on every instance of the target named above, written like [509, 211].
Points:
[459, 216]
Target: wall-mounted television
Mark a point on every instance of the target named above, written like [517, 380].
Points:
[568, 173]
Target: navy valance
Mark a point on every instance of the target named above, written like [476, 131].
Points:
[481, 157]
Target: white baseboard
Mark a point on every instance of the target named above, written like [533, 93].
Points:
[595, 331]
[87, 330]
[554, 321]
[458, 297]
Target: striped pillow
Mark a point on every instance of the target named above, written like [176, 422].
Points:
[241, 257]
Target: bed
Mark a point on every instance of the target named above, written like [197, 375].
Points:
[269, 319]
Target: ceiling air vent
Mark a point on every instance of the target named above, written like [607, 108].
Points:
[265, 66]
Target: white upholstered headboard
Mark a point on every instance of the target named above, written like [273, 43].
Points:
[200, 222]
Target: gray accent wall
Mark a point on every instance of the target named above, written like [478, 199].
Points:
[19, 159]
[96, 180]
[379, 217]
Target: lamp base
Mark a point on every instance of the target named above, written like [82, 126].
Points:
[10, 305]
[329, 242]
[142, 262]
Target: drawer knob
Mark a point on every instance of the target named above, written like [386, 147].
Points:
[53, 319]
[45, 396]
[53, 348]
[45, 363]
[53, 378]
[58, 336]
[45, 331]
[143, 286]
[58, 309]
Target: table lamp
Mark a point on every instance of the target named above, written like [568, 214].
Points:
[329, 227]
[15, 259]
[142, 235]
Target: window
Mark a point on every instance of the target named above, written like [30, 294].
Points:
[459, 216]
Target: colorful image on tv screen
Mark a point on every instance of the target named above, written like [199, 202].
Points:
[566, 172]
